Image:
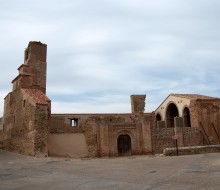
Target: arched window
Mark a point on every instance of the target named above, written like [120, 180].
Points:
[171, 113]
[186, 117]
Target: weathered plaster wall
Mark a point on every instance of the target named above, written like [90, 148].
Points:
[102, 130]
[67, 144]
[18, 124]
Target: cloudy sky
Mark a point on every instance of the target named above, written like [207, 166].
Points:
[102, 51]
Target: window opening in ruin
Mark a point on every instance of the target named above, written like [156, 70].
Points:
[73, 122]
[158, 118]
[124, 145]
[171, 113]
[186, 117]
[24, 103]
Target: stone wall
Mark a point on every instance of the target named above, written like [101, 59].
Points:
[161, 139]
[26, 125]
[67, 144]
[205, 114]
[18, 135]
[101, 131]
[1, 133]
[192, 150]
[138, 104]
[186, 136]
[27, 108]
[61, 123]
[192, 137]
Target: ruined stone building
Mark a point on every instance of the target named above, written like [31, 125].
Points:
[30, 128]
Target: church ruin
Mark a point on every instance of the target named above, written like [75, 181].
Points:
[30, 128]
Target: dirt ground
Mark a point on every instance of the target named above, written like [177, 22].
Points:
[195, 172]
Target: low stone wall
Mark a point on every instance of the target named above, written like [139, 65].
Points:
[191, 150]
[192, 137]
[161, 139]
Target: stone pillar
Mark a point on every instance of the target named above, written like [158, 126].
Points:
[138, 104]
[147, 144]
[104, 140]
[178, 123]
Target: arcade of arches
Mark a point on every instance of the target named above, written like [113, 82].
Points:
[171, 113]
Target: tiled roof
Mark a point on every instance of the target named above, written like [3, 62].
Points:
[37, 96]
[193, 96]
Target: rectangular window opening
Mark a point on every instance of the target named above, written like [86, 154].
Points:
[73, 122]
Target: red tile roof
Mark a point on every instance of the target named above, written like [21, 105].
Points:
[193, 96]
[37, 96]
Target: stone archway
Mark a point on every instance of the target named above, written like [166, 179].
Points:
[186, 117]
[171, 113]
[124, 145]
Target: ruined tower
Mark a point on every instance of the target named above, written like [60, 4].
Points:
[27, 108]
[32, 74]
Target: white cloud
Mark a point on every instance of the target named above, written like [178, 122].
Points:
[101, 52]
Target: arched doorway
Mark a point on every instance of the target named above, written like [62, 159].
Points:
[186, 117]
[124, 145]
[171, 113]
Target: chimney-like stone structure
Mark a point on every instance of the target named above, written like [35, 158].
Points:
[32, 74]
[138, 104]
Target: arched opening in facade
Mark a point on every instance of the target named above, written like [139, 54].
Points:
[171, 113]
[158, 118]
[124, 145]
[186, 117]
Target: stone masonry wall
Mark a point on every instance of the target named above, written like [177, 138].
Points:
[161, 139]
[18, 125]
[192, 137]
[42, 115]
[205, 114]
[138, 103]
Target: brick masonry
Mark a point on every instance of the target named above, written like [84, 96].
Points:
[27, 121]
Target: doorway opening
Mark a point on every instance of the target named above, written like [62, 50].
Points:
[124, 145]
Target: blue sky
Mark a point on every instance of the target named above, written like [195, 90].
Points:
[101, 52]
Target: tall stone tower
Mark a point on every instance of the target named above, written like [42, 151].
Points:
[27, 108]
[32, 74]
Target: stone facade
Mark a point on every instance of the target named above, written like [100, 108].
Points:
[26, 108]
[186, 120]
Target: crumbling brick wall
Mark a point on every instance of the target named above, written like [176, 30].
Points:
[26, 108]
[161, 139]
[205, 114]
